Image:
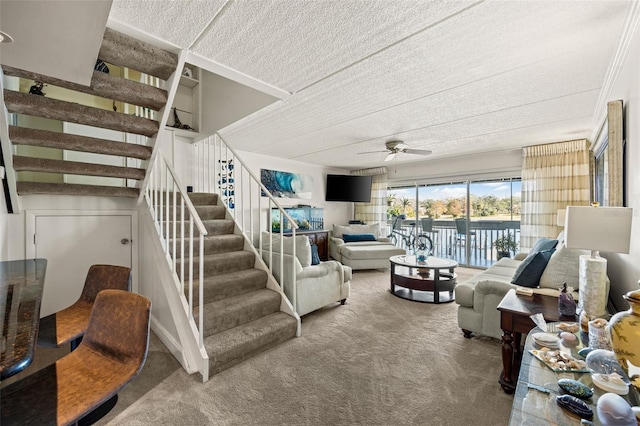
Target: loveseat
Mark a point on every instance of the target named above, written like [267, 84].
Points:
[479, 297]
[362, 246]
[317, 285]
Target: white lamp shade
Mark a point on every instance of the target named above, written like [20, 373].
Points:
[599, 228]
[562, 217]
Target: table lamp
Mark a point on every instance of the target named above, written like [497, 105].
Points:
[596, 228]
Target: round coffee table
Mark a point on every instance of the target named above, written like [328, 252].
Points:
[423, 281]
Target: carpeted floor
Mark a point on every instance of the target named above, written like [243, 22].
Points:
[378, 360]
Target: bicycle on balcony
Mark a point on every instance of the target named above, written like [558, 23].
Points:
[405, 236]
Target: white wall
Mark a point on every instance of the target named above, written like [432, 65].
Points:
[495, 164]
[224, 102]
[334, 212]
[624, 269]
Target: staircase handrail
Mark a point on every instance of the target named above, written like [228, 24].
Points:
[9, 179]
[240, 222]
[157, 164]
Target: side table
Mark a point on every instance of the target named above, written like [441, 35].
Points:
[515, 311]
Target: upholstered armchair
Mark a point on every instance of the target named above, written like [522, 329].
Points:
[317, 283]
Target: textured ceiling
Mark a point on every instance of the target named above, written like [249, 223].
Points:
[455, 77]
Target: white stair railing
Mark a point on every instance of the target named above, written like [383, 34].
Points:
[172, 211]
[220, 170]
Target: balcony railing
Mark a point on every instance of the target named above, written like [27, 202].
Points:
[451, 244]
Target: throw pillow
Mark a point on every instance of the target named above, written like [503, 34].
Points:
[543, 244]
[530, 270]
[303, 252]
[340, 230]
[315, 257]
[563, 267]
[352, 238]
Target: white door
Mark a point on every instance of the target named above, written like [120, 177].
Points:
[73, 243]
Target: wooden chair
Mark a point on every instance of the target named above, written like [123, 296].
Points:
[111, 354]
[70, 324]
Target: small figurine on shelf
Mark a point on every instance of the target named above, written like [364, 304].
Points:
[177, 123]
[566, 303]
[36, 89]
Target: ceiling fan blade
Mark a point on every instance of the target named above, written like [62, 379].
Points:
[390, 157]
[372, 152]
[418, 151]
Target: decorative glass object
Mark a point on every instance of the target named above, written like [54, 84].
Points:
[422, 252]
[566, 303]
[598, 334]
[624, 329]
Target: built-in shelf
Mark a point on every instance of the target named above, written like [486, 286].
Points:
[188, 81]
[187, 103]
[184, 133]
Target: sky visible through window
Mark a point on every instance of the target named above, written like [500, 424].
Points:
[500, 189]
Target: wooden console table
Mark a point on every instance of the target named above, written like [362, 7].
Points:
[515, 311]
[21, 286]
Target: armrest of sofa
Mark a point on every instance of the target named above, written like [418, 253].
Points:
[320, 270]
[337, 241]
[487, 287]
[384, 240]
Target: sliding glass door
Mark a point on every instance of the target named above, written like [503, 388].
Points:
[463, 219]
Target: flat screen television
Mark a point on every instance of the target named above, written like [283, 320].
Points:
[355, 189]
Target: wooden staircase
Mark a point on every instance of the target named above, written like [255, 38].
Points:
[241, 316]
[117, 49]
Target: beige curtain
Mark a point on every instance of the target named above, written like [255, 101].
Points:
[553, 176]
[374, 211]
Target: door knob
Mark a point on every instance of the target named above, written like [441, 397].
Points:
[125, 241]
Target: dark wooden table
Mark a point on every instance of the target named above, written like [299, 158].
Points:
[423, 281]
[21, 286]
[515, 311]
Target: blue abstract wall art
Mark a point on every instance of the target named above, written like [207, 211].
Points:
[287, 185]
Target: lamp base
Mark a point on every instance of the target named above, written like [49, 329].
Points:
[593, 292]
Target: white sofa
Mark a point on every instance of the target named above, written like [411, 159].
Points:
[479, 297]
[316, 285]
[362, 254]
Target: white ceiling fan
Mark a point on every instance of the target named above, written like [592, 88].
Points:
[395, 147]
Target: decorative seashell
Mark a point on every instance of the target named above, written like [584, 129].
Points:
[614, 410]
[575, 406]
[575, 388]
[584, 352]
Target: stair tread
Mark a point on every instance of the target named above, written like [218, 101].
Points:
[104, 85]
[58, 140]
[42, 106]
[32, 188]
[230, 284]
[219, 307]
[120, 49]
[236, 344]
[48, 165]
[237, 310]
